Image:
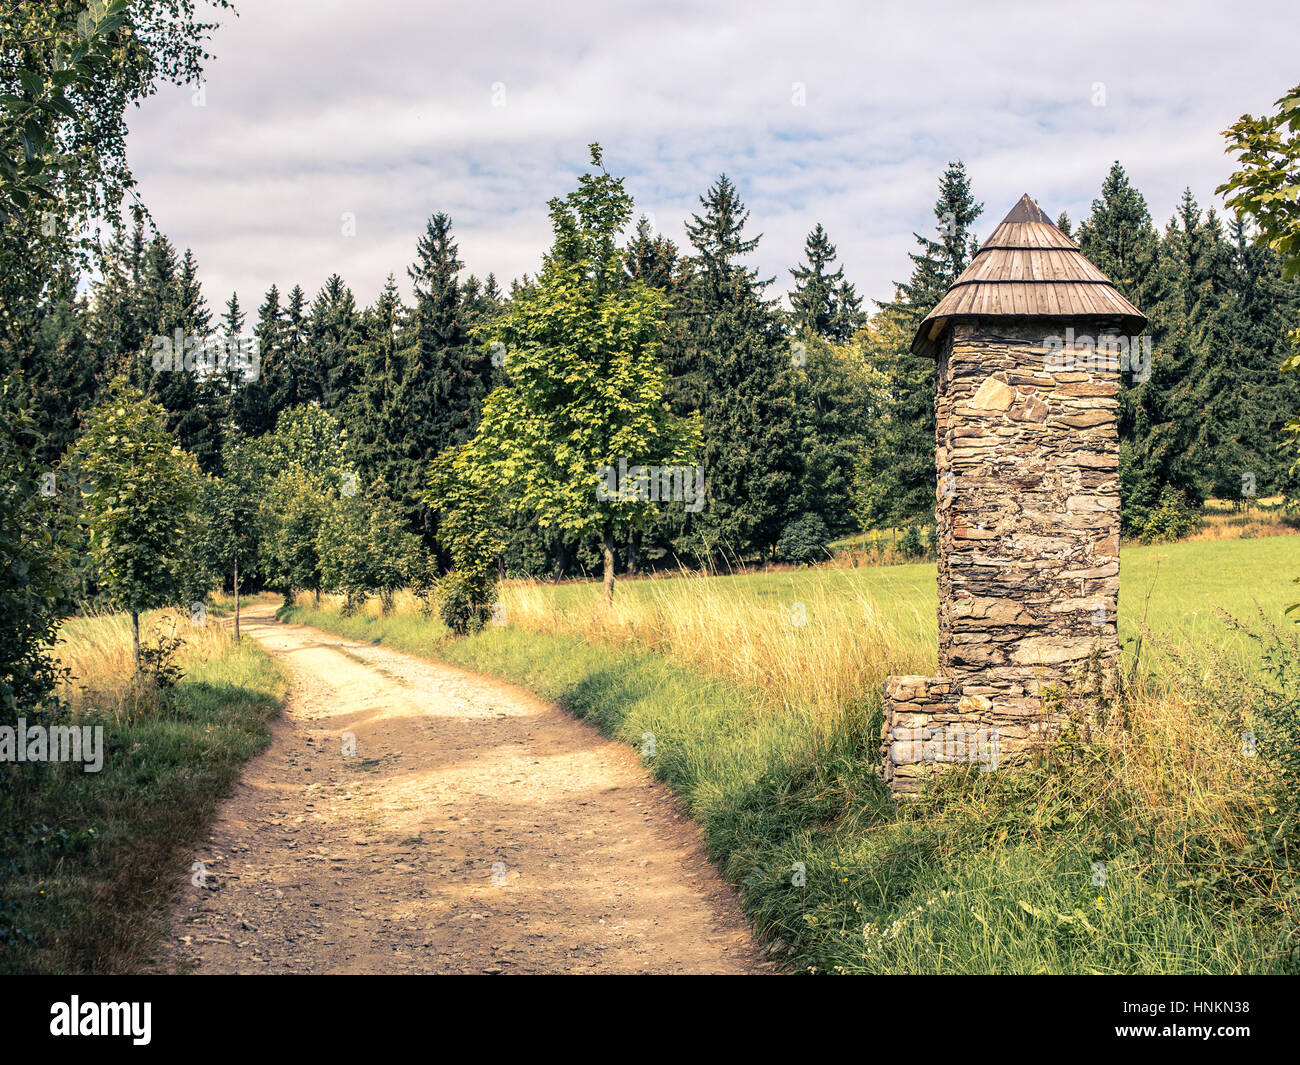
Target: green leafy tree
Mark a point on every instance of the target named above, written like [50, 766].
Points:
[364, 549]
[1265, 189]
[585, 382]
[342, 544]
[231, 506]
[300, 469]
[36, 583]
[139, 496]
[307, 438]
[68, 73]
[1266, 186]
[398, 559]
[462, 484]
[290, 523]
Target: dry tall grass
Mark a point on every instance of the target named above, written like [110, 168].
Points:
[96, 650]
[1177, 761]
[824, 652]
[1160, 786]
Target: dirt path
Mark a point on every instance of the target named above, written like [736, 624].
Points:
[475, 829]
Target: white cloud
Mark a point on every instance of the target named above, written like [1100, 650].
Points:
[316, 108]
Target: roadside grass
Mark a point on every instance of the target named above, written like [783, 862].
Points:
[90, 859]
[1220, 519]
[1151, 841]
[1176, 591]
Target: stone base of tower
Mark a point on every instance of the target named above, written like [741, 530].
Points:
[931, 723]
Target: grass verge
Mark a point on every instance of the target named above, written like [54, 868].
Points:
[1148, 843]
[89, 860]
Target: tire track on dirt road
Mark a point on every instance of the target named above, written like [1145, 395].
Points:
[475, 829]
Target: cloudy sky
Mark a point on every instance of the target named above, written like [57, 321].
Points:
[821, 110]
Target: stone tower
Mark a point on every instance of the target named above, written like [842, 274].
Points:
[1030, 343]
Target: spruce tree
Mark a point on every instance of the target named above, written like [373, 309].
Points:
[444, 376]
[374, 419]
[229, 378]
[653, 260]
[738, 371]
[1119, 238]
[174, 316]
[650, 258]
[254, 409]
[1156, 276]
[292, 379]
[332, 343]
[896, 484]
[823, 303]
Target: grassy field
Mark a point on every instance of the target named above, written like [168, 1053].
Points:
[91, 858]
[1154, 844]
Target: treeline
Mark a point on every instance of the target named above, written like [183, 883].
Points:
[814, 421]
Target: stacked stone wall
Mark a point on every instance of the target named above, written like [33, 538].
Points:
[1027, 453]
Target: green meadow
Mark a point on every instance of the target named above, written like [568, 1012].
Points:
[1151, 843]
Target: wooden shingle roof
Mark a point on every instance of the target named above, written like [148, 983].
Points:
[1028, 269]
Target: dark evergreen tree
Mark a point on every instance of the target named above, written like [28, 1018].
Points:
[444, 376]
[1119, 239]
[173, 317]
[738, 369]
[332, 343]
[229, 377]
[292, 377]
[651, 258]
[64, 378]
[374, 419]
[254, 409]
[849, 316]
[481, 301]
[896, 484]
[836, 410]
[824, 304]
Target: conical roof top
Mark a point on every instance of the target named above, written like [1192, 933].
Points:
[1028, 269]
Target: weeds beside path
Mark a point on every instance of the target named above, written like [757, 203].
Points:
[89, 860]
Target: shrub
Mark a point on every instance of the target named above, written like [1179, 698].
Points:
[465, 600]
[1172, 518]
[911, 544]
[804, 541]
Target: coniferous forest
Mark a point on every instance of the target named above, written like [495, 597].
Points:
[814, 418]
